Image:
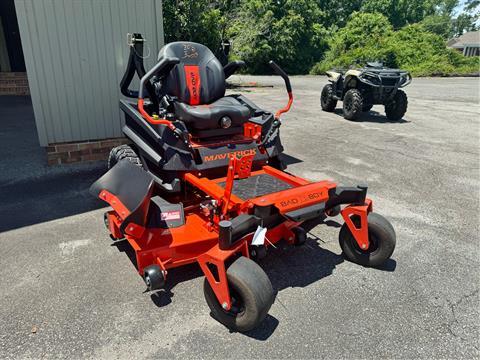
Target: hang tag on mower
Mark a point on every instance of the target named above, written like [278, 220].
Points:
[259, 236]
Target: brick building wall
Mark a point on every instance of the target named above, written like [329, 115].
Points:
[66, 153]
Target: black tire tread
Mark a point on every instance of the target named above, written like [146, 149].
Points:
[123, 152]
[397, 109]
[385, 234]
[249, 279]
[357, 104]
[330, 104]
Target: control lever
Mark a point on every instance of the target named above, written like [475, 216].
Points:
[279, 71]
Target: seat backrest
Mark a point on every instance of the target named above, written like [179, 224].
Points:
[198, 79]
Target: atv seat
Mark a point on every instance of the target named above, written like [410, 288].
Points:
[197, 87]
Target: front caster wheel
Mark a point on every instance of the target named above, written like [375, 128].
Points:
[251, 293]
[381, 236]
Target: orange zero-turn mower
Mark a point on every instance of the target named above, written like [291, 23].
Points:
[202, 182]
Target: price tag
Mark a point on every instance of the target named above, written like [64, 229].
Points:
[259, 236]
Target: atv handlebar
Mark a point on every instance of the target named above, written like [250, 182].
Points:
[279, 71]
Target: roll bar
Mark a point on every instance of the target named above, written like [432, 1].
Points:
[135, 65]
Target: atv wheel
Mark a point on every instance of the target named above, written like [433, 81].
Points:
[123, 152]
[327, 100]
[381, 236]
[367, 108]
[251, 292]
[396, 108]
[352, 104]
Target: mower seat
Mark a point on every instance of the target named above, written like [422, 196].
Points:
[197, 85]
[204, 117]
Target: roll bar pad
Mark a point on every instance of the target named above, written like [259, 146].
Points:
[279, 71]
[163, 67]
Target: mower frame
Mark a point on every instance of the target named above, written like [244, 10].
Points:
[212, 240]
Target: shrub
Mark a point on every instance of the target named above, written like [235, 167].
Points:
[369, 37]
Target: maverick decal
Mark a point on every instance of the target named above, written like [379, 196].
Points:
[238, 154]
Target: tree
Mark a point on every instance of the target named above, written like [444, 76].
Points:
[403, 12]
[193, 20]
[287, 31]
[467, 19]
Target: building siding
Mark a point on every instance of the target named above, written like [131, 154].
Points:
[75, 54]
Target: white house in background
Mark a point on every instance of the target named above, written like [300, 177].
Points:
[468, 43]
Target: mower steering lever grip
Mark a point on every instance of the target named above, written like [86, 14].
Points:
[279, 71]
[162, 65]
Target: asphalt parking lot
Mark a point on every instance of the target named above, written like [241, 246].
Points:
[66, 290]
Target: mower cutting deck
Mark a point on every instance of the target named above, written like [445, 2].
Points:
[187, 194]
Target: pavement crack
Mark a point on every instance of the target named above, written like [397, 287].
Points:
[452, 307]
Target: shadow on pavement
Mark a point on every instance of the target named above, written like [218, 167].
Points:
[35, 200]
[373, 117]
[30, 191]
[286, 266]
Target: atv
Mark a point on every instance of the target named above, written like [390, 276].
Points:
[360, 89]
[202, 182]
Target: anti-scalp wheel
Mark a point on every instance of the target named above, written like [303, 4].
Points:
[300, 236]
[154, 277]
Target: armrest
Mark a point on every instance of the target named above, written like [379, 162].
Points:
[232, 66]
[164, 66]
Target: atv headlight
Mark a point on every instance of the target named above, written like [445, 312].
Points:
[405, 80]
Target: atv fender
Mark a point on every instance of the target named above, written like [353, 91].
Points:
[333, 76]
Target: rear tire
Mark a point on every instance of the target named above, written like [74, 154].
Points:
[396, 109]
[123, 152]
[381, 236]
[352, 104]
[252, 296]
[327, 101]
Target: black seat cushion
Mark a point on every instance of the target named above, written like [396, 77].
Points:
[204, 117]
[197, 85]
